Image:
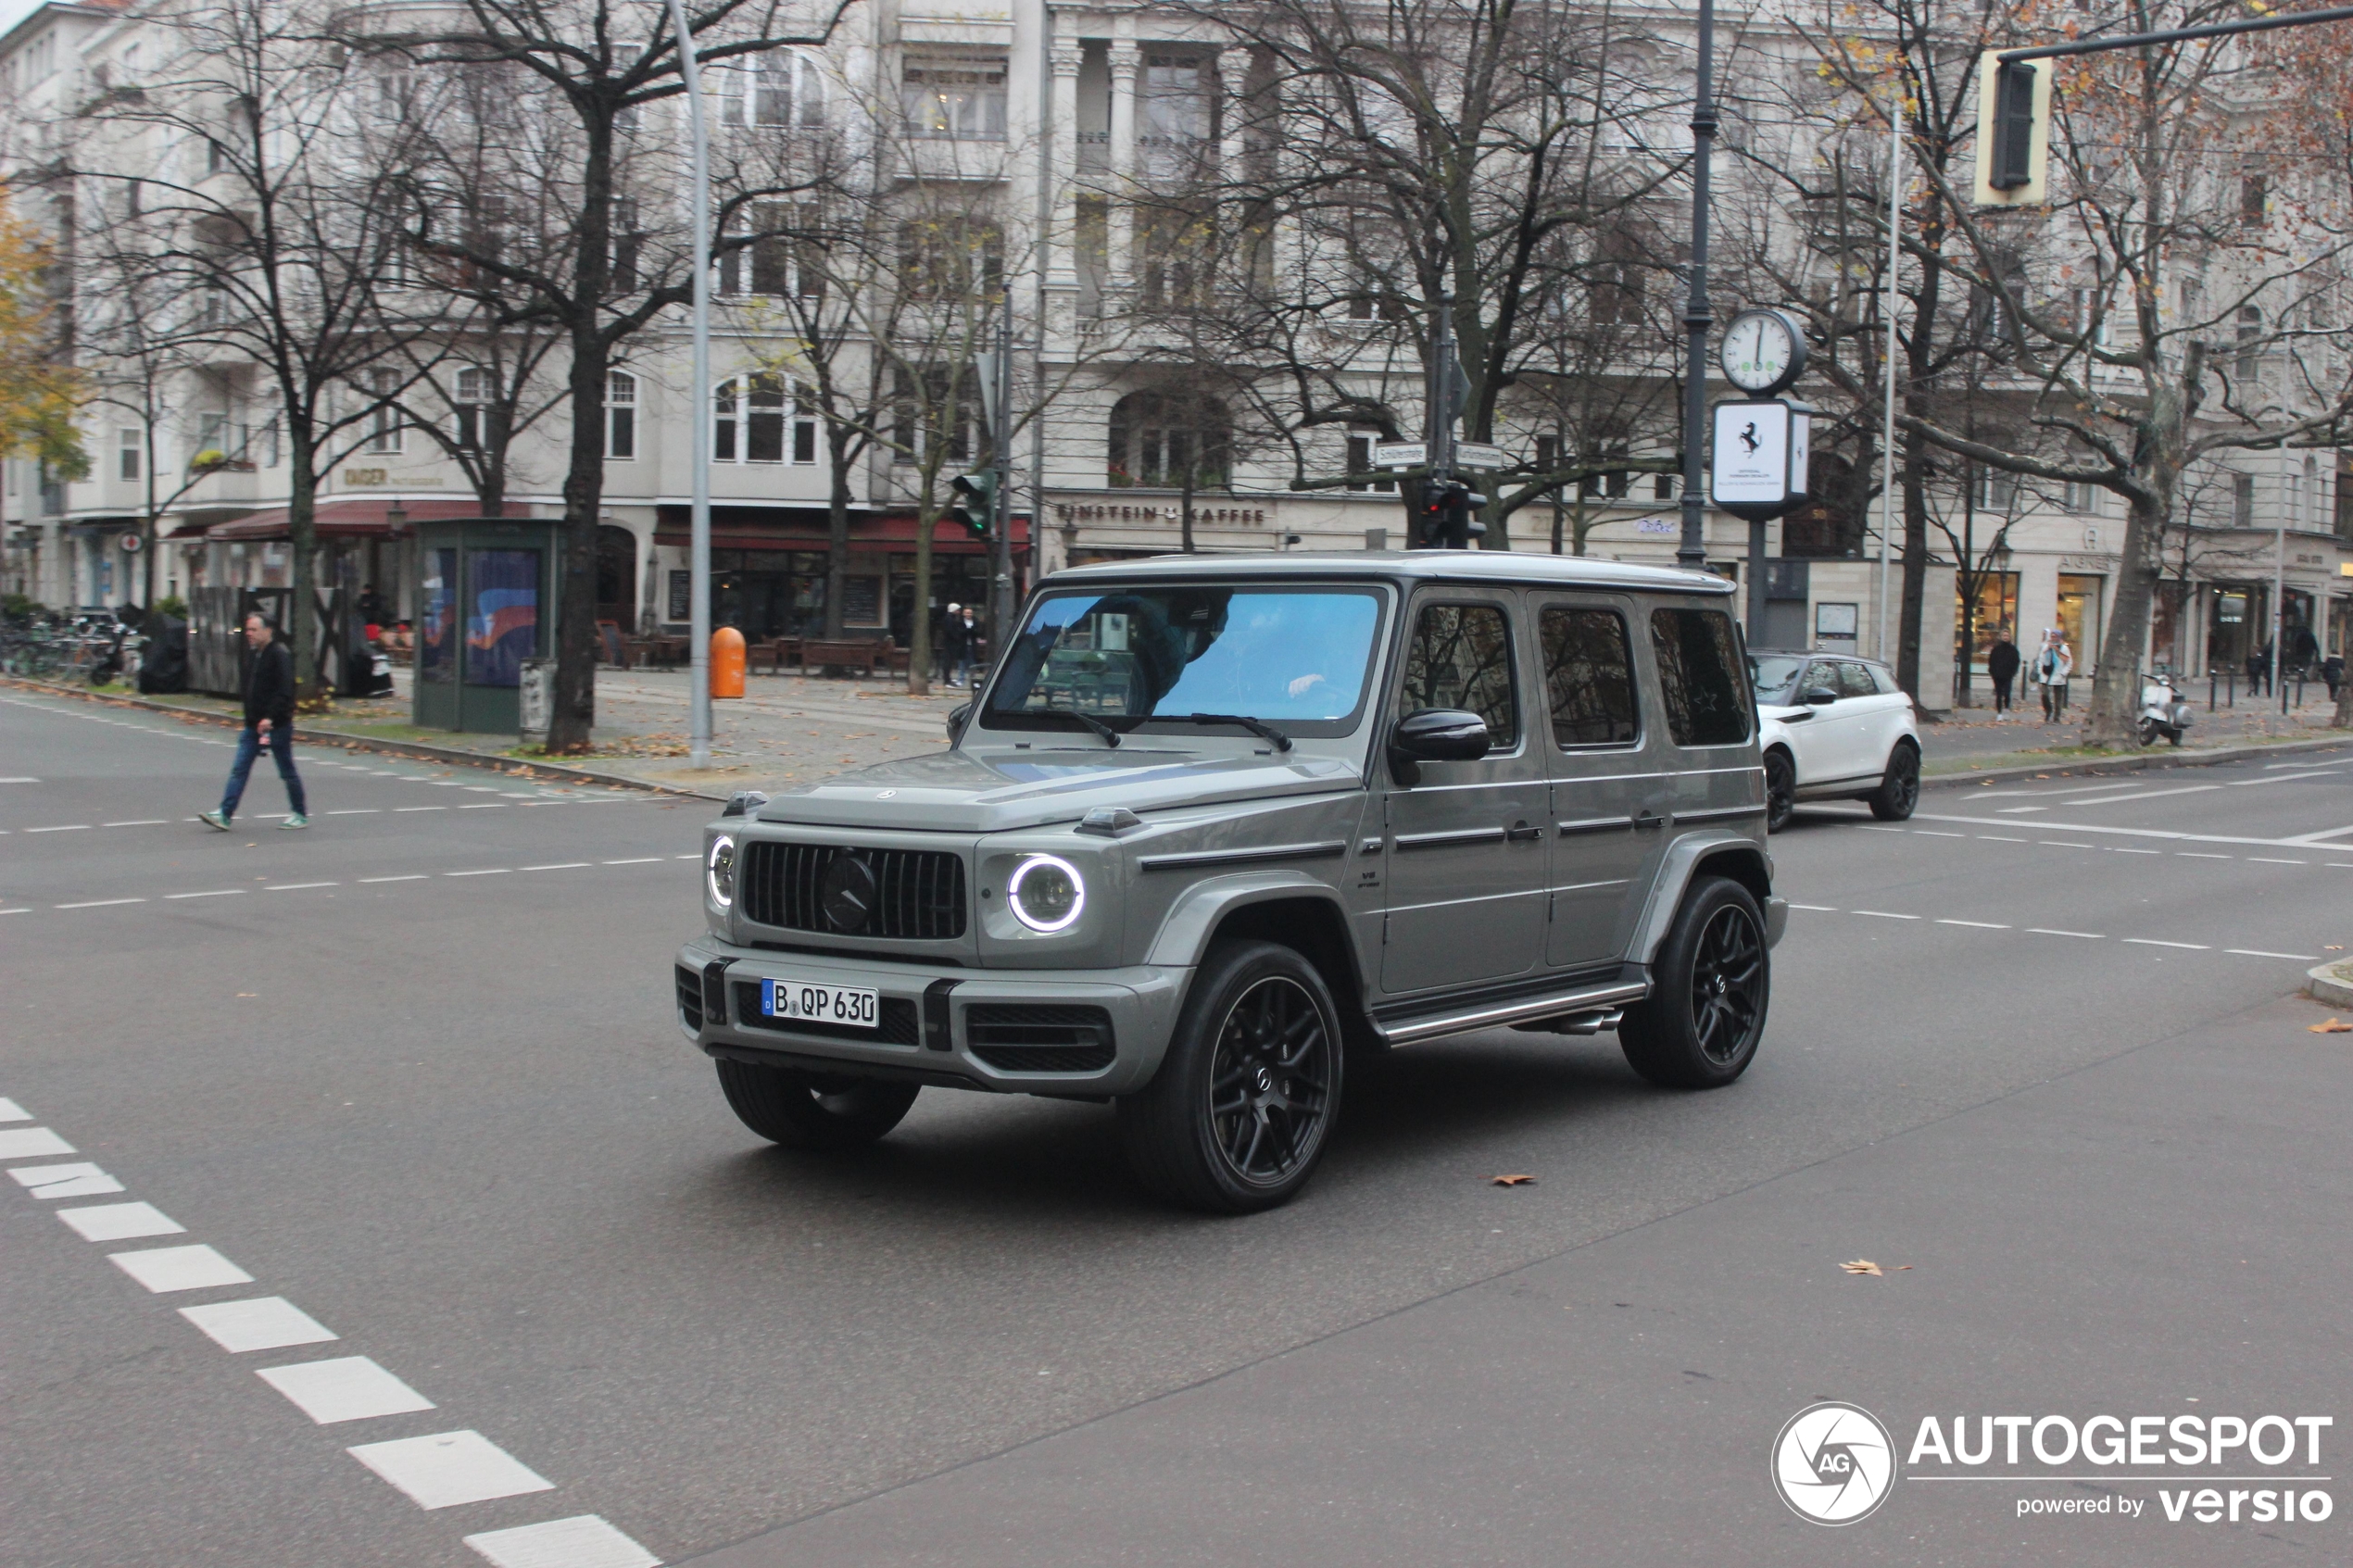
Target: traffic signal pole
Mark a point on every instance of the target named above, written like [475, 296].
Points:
[1693, 549]
[1000, 531]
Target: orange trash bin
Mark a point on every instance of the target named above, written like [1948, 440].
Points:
[726, 662]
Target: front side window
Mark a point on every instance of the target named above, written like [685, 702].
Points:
[1699, 681]
[955, 98]
[1296, 657]
[1589, 676]
[621, 416]
[1854, 680]
[1461, 658]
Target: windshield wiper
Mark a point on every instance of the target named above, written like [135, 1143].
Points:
[1258, 727]
[1110, 737]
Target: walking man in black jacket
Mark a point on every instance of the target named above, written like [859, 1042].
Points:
[270, 704]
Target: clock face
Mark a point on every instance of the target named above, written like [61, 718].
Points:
[1758, 350]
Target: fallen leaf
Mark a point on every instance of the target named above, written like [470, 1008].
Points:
[1514, 1181]
[2332, 1027]
[2335, 948]
[1862, 1266]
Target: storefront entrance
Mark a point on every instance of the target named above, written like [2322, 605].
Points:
[2078, 618]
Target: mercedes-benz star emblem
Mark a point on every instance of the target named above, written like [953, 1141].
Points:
[847, 893]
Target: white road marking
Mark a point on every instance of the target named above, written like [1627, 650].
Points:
[483, 806]
[2271, 860]
[2153, 941]
[2060, 844]
[1818, 909]
[99, 903]
[298, 886]
[20, 781]
[179, 1267]
[685, 856]
[495, 871]
[2145, 793]
[11, 1112]
[2117, 850]
[347, 1388]
[413, 876]
[216, 893]
[1883, 914]
[1869, 827]
[1979, 924]
[559, 866]
[138, 822]
[120, 1221]
[1933, 833]
[357, 811]
[259, 1322]
[1997, 838]
[449, 1468]
[80, 1179]
[2259, 953]
[583, 1541]
[2047, 931]
[31, 1142]
[640, 861]
[2194, 855]
[2166, 835]
[69, 827]
[420, 807]
[24, 910]
[2014, 811]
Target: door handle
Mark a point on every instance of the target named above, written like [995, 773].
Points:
[1520, 832]
[1647, 819]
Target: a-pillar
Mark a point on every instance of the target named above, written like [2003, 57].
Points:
[1124, 60]
[1061, 228]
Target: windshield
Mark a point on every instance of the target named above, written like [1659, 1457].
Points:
[1773, 675]
[1297, 658]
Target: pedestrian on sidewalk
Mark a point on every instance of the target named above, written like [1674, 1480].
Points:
[270, 704]
[2333, 672]
[2001, 664]
[968, 647]
[2259, 668]
[955, 644]
[2053, 664]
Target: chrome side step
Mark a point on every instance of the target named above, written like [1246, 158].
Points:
[1596, 1000]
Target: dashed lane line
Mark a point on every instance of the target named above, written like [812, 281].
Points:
[2153, 941]
[69, 827]
[1979, 924]
[2261, 953]
[1885, 914]
[298, 886]
[216, 893]
[98, 903]
[640, 861]
[493, 870]
[440, 1469]
[138, 822]
[2054, 931]
[412, 876]
[2270, 861]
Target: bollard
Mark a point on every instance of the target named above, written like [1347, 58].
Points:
[726, 662]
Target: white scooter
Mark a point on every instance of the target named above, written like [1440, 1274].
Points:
[2164, 711]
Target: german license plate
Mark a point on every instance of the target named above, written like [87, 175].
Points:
[805, 1003]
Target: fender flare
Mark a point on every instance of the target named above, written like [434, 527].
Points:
[1675, 874]
[1183, 931]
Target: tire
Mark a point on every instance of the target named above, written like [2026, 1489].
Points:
[1899, 788]
[1780, 790]
[1244, 1103]
[2150, 730]
[813, 1111]
[1710, 982]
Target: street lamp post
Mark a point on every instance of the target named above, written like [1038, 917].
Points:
[1693, 549]
[698, 537]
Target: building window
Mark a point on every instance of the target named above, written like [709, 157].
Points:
[475, 392]
[384, 423]
[955, 98]
[621, 417]
[1175, 101]
[1359, 460]
[2083, 497]
[1996, 490]
[269, 435]
[780, 88]
[130, 453]
[1170, 441]
[755, 420]
[2254, 198]
[922, 409]
[954, 258]
[2241, 500]
[782, 259]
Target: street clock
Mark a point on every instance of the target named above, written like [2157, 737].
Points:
[1764, 351]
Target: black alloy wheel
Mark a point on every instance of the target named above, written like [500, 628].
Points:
[1899, 791]
[1780, 790]
[1246, 1098]
[1711, 980]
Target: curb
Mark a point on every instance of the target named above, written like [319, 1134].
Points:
[2097, 766]
[423, 750]
[2331, 983]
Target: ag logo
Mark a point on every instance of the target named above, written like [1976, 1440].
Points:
[1833, 1463]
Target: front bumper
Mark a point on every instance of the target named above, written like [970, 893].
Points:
[1016, 1031]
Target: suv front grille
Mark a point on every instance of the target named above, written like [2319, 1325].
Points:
[900, 894]
[896, 1026]
[1016, 1038]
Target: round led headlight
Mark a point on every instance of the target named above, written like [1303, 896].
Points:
[719, 866]
[1046, 893]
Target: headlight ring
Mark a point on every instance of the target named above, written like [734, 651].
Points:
[1046, 893]
[718, 869]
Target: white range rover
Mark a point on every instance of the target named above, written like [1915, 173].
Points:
[1834, 727]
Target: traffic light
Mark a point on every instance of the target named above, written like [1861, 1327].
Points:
[975, 501]
[2014, 130]
[1447, 520]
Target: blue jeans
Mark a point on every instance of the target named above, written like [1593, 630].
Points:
[282, 748]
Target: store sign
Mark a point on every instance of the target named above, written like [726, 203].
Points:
[1757, 467]
[1234, 517]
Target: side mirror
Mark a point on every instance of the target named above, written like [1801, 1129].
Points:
[1441, 734]
[956, 721]
[1820, 696]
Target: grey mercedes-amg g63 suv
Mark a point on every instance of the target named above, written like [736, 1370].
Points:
[1216, 825]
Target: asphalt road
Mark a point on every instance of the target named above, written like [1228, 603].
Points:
[2036, 1044]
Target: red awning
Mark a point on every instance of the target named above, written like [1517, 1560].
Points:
[343, 519]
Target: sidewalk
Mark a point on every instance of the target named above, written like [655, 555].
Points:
[1966, 739]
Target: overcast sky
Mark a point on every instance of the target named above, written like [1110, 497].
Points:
[15, 11]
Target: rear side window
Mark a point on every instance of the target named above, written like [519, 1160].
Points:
[1461, 658]
[1698, 677]
[1589, 676]
[1854, 680]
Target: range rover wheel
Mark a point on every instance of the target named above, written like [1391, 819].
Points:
[811, 1110]
[1710, 984]
[1899, 788]
[1239, 1113]
[1780, 790]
